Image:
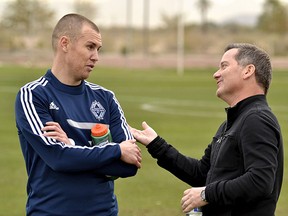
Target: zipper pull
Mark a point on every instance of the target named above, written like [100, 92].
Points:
[220, 139]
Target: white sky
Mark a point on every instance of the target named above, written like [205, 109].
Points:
[113, 12]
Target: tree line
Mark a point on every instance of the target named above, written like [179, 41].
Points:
[25, 20]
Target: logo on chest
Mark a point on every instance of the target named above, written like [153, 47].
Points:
[53, 106]
[98, 110]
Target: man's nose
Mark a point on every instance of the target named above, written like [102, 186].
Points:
[95, 56]
[216, 74]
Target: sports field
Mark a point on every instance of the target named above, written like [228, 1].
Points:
[182, 109]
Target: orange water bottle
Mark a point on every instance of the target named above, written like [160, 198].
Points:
[100, 135]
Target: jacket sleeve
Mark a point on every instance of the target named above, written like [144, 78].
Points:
[259, 141]
[118, 125]
[189, 170]
[118, 169]
[120, 132]
[31, 114]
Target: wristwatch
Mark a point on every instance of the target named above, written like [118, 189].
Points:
[202, 195]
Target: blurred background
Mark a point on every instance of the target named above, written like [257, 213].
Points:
[174, 33]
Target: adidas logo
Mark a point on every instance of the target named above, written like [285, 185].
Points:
[53, 106]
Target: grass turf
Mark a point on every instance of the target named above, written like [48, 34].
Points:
[182, 109]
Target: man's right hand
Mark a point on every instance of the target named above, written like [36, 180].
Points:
[145, 136]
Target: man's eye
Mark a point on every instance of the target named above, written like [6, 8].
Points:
[90, 47]
[223, 67]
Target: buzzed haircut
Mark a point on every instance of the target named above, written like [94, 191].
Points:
[250, 54]
[70, 25]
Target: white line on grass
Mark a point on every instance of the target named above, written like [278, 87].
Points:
[178, 111]
[194, 108]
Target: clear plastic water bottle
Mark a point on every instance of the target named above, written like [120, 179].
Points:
[195, 212]
[100, 134]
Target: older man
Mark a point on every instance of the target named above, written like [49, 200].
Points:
[242, 169]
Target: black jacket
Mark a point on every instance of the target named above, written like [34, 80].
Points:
[242, 168]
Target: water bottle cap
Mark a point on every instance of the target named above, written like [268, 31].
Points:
[99, 130]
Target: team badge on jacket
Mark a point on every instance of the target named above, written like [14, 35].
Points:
[98, 110]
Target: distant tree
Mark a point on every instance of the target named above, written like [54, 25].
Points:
[274, 17]
[27, 16]
[203, 6]
[86, 8]
[170, 22]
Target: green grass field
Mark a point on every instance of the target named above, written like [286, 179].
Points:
[184, 110]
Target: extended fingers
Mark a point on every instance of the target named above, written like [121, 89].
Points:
[53, 130]
[138, 156]
[51, 126]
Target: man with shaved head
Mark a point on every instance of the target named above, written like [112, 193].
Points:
[67, 174]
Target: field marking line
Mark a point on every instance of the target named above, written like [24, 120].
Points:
[187, 107]
[171, 111]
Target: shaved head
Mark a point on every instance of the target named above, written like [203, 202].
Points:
[70, 25]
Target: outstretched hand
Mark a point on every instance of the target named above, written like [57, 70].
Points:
[144, 136]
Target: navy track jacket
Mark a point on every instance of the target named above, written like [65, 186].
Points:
[63, 179]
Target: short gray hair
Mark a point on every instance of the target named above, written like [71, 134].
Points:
[251, 54]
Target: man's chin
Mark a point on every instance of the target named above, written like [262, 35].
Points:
[88, 72]
[218, 93]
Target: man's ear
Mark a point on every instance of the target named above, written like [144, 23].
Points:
[249, 70]
[64, 42]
